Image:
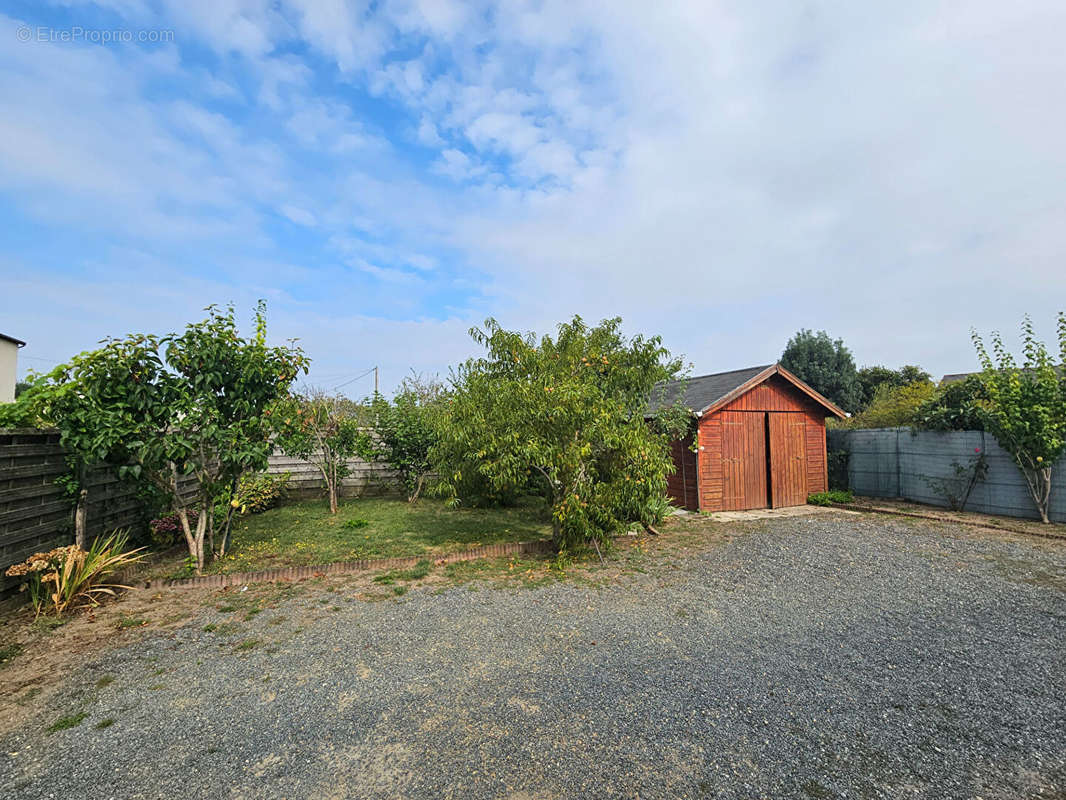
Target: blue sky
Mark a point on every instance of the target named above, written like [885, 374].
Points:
[388, 174]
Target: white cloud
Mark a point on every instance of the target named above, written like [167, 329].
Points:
[298, 215]
[723, 174]
[427, 133]
[458, 166]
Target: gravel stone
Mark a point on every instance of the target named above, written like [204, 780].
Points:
[810, 657]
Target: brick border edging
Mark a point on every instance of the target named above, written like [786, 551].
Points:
[918, 515]
[223, 580]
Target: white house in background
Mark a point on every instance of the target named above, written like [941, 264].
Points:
[9, 358]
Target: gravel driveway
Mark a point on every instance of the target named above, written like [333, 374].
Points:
[823, 656]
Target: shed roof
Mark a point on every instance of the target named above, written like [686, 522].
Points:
[706, 393]
[12, 339]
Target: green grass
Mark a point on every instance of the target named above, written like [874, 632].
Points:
[104, 681]
[528, 572]
[69, 721]
[306, 533]
[105, 723]
[222, 628]
[415, 573]
[46, 623]
[8, 652]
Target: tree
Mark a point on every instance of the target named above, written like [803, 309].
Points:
[826, 365]
[1026, 405]
[956, 406]
[568, 410]
[872, 378]
[27, 410]
[893, 405]
[164, 410]
[404, 431]
[324, 431]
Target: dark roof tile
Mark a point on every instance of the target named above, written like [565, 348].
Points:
[704, 390]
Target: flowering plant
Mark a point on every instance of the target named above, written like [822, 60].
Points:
[70, 577]
[167, 530]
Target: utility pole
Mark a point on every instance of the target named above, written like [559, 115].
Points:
[375, 380]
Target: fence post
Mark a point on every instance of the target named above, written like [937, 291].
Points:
[899, 467]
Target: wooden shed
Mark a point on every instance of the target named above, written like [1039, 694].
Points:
[760, 440]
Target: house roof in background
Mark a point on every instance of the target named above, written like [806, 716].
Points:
[706, 393]
[955, 377]
[13, 340]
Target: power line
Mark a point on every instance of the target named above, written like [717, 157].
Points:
[353, 380]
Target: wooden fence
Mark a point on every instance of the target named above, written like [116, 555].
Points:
[364, 478]
[36, 514]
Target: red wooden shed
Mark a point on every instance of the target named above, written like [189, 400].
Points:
[760, 440]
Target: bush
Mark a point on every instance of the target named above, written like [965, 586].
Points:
[405, 432]
[954, 407]
[70, 577]
[356, 523]
[567, 412]
[829, 498]
[656, 509]
[893, 406]
[957, 488]
[259, 492]
[838, 469]
[166, 531]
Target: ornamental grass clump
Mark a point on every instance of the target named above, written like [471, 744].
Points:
[71, 577]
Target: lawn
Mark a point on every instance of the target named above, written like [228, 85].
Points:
[306, 533]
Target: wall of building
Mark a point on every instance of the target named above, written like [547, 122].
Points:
[8, 370]
[775, 394]
[682, 485]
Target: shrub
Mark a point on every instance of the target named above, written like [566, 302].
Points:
[166, 531]
[70, 577]
[957, 488]
[954, 407]
[873, 378]
[893, 406]
[356, 523]
[568, 412]
[828, 498]
[404, 431]
[838, 469]
[259, 492]
[657, 508]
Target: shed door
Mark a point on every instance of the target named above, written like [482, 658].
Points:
[788, 459]
[743, 460]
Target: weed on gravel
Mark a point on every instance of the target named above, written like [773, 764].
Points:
[68, 721]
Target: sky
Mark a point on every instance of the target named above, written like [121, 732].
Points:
[388, 174]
